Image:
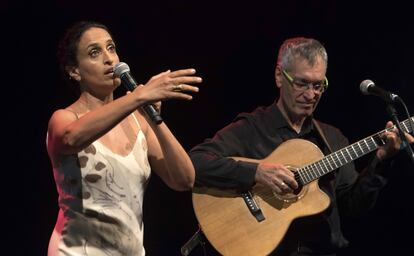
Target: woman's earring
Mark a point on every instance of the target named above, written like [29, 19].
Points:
[74, 78]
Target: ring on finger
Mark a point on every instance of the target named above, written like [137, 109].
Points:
[177, 88]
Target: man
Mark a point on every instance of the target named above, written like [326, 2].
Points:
[300, 76]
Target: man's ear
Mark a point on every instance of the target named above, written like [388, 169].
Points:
[73, 73]
[278, 76]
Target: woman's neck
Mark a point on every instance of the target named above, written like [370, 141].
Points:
[90, 102]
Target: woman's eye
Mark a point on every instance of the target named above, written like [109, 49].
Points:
[94, 53]
[112, 48]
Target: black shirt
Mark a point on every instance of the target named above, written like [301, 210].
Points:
[255, 135]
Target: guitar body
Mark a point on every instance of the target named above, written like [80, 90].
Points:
[233, 230]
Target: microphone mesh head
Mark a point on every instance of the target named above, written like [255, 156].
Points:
[365, 85]
[120, 68]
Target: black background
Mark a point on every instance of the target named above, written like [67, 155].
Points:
[233, 46]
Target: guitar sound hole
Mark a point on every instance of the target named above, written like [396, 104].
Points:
[292, 197]
[298, 190]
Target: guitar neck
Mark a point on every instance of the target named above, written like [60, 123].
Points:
[346, 155]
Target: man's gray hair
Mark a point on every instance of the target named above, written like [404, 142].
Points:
[307, 48]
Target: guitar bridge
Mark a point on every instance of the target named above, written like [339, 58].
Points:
[252, 205]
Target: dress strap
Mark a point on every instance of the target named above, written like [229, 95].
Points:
[70, 110]
[136, 120]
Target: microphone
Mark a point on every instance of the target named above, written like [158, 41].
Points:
[368, 87]
[122, 71]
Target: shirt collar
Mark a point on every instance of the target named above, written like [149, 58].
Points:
[281, 122]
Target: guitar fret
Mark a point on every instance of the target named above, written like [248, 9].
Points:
[313, 171]
[333, 161]
[354, 151]
[369, 145]
[373, 143]
[339, 159]
[329, 166]
[361, 143]
[343, 158]
[362, 151]
[359, 149]
[346, 160]
[326, 167]
[366, 144]
[317, 170]
[405, 127]
[347, 151]
[408, 125]
[350, 153]
[299, 173]
[378, 139]
[303, 175]
[365, 147]
[307, 174]
[329, 162]
[297, 177]
[320, 170]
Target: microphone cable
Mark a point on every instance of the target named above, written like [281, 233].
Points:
[405, 144]
[410, 119]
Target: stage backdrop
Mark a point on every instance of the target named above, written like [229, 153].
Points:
[233, 46]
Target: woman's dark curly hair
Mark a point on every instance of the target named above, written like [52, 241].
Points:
[68, 45]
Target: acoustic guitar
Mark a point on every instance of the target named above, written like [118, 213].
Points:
[254, 222]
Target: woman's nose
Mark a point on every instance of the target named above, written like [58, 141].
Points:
[108, 58]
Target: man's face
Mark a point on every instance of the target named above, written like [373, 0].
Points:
[300, 101]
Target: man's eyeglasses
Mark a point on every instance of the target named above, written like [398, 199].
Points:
[303, 85]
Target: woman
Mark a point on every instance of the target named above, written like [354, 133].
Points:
[102, 149]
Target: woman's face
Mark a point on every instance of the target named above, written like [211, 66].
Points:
[96, 57]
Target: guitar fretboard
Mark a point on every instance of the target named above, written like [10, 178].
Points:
[343, 156]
